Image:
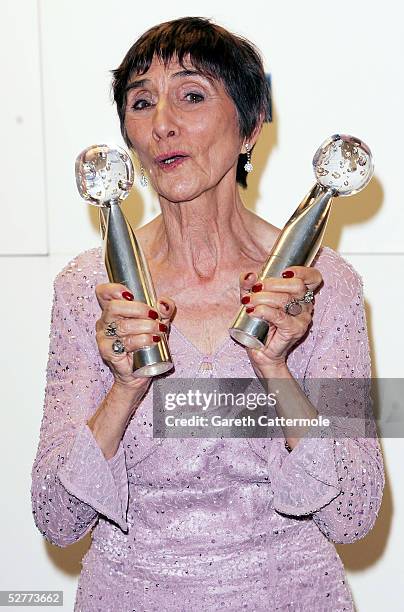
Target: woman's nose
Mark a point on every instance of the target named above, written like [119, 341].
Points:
[164, 123]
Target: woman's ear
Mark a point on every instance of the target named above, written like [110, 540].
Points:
[252, 139]
[256, 131]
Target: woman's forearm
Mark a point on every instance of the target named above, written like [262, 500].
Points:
[291, 402]
[109, 422]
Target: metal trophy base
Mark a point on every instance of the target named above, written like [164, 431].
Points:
[147, 361]
[249, 331]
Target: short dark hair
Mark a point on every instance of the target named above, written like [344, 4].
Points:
[215, 52]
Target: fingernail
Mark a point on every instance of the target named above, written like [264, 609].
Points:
[257, 287]
[245, 299]
[288, 274]
[156, 338]
[165, 305]
[127, 295]
[249, 275]
[249, 309]
[153, 314]
[162, 327]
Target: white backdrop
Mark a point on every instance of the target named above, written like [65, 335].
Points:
[336, 67]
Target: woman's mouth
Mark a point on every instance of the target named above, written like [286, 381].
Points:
[171, 160]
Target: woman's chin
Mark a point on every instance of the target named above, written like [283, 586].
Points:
[179, 193]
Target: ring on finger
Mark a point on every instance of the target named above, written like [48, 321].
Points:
[308, 297]
[294, 307]
[118, 347]
[110, 329]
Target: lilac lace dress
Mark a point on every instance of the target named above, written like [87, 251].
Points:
[204, 524]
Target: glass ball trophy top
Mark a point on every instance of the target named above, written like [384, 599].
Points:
[104, 174]
[343, 164]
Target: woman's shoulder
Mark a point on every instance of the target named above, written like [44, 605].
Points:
[85, 270]
[339, 276]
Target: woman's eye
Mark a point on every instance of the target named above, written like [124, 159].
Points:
[194, 97]
[140, 104]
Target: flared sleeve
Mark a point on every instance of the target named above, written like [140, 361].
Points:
[335, 473]
[72, 481]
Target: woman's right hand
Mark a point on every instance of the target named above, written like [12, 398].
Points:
[137, 326]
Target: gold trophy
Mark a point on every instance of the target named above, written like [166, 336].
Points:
[343, 166]
[104, 177]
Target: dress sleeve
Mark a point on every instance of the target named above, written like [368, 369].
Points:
[336, 475]
[72, 482]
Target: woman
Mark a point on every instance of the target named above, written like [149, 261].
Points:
[203, 524]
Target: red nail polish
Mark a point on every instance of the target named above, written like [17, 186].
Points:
[127, 295]
[245, 299]
[257, 287]
[288, 274]
[166, 306]
[153, 314]
[156, 338]
[249, 275]
[250, 309]
[162, 327]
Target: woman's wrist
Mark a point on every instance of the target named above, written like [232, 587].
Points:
[291, 401]
[112, 417]
[129, 392]
[274, 370]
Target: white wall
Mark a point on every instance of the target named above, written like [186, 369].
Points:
[335, 67]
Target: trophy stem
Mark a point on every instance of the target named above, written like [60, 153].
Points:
[126, 264]
[297, 245]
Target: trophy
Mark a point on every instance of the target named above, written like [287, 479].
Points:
[104, 177]
[342, 166]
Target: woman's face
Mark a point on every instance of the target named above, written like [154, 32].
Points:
[185, 129]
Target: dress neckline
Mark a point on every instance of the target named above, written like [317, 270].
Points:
[206, 356]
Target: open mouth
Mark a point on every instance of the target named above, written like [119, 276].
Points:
[171, 160]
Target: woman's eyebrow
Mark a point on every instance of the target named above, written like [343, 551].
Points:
[198, 73]
[181, 73]
[137, 84]
[190, 72]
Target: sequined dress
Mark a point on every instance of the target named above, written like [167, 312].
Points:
[204, 524]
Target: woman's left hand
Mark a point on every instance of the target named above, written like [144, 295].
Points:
[268, 299]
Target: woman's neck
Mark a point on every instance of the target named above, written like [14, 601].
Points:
[206, 236]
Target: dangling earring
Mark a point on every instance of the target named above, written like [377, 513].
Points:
[143, 178]
[248, 167]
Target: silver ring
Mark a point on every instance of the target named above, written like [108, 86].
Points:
[110, 329]
[118, 347]
[294, 307]
[308, 297]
